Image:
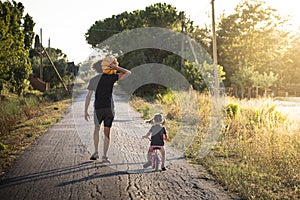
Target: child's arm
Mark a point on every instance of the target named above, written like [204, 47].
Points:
[166, 136]
[147, 135]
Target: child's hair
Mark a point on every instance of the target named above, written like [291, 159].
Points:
[157, 119]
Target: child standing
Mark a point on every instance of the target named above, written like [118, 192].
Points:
[157, 134]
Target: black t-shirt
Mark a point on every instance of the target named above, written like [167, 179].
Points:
[157, 135]
[104, 89]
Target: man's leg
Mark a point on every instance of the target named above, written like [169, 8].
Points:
[97, 122]
[95, 155]
[106, 140]
[108, 120]
[96, 138]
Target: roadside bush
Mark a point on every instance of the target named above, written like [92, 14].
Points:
[13, 109]
[57, 94]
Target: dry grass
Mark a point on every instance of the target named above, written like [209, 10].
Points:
[258, 152]
[25, 127]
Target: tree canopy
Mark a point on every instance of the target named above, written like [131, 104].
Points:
[156, 15]
[254, 37]
[17, 57]
[252, 42]
[14, 41]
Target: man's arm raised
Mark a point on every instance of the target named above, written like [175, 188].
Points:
[124, 73]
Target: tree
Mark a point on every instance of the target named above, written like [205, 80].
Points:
[252, 36]
[290, 71]
[263, 81]
[242, 79]
[14, 65]
[157, 15]
[199, 79]
[59, 60]
[28, 26]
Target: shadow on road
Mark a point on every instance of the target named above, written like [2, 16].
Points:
[48, 174]
[85, 166]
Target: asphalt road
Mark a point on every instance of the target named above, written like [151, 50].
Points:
[57, 166]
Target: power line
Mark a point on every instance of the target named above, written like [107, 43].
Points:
[106, 30]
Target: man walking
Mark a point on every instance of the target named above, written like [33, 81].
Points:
[102, 85]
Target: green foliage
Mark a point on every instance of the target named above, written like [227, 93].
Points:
[157, 15]
[145, 111]
[167, 98]
[264, 80]
[14, 65]
[12, 108]
[28, 31]
[290, 71]
[264, 117]
[199, 76]
[57, 94]
[232, 110]
[143, 56]
[251, 37]
[150, 92]
[242, 78]
[49, 74]
[3, 146]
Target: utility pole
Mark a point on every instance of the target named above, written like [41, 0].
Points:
[215, 59]
[182, 43]
[57, 73]
[42, 51]
[49, 46]
[41, 55]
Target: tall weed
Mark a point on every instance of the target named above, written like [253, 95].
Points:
[13, 109]
[261, 151]
[258, 152]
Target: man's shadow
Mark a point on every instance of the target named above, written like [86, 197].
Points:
[85, 166]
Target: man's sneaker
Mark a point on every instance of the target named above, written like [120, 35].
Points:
[95, 156]
[147, 164]
[163, 169]
[105, 159]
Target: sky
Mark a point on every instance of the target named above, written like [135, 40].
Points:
[65, 22]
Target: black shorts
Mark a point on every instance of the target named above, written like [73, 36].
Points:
[104, 114]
